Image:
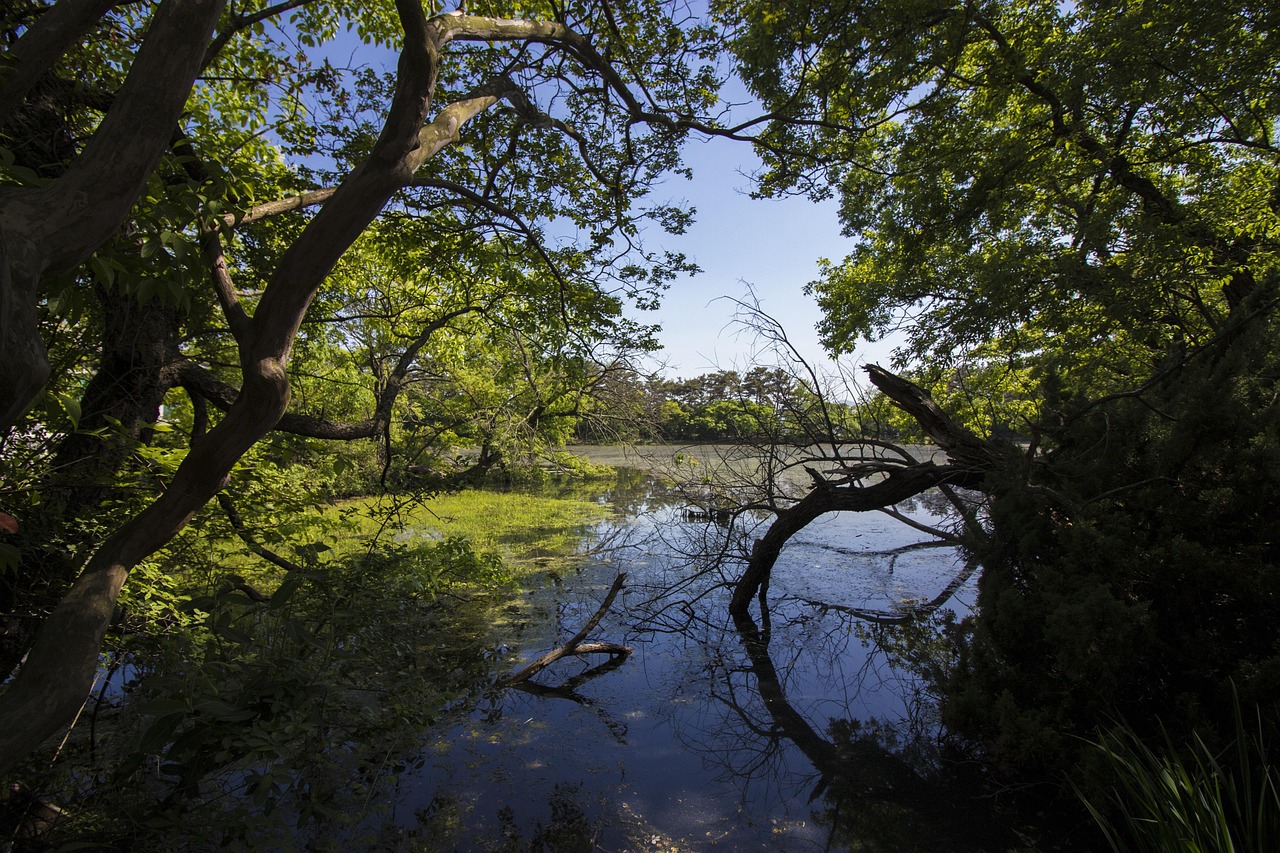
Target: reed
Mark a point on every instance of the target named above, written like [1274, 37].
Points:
[1190, 798]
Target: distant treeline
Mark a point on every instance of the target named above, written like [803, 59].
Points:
[768, 403]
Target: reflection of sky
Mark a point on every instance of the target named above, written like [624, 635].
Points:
[693, 765]
[772, 245]
[836, 559]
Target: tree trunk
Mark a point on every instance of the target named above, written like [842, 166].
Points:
[50, 230]
[24, 363]
[136, 368]
[58, 673]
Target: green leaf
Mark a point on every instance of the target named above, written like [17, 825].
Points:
[160, 732]
[10, 558]
[71, 406]
[224, 711]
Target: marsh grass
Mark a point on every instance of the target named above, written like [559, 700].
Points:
[250, 706]
[525, 530]
[528, 532]
[1191, 799]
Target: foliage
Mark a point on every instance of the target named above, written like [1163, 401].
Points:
[1193, 799]
[1069, 213]
[725, 406]
[204, 213]
[1075, 185]
[1139, 575]
[255, 723]
[773, 403]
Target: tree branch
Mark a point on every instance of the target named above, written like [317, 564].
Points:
[48, 231]
[220, 274]
[239, 23]
[238, 525]
[971, 461]
[60, 668]
[224, 396]
[119, 157]
[42, 45]
[575, 645]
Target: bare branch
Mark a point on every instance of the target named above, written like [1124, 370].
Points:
[575, 644]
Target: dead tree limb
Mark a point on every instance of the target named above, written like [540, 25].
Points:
[569, 691]
[970, 461]
[575, 645]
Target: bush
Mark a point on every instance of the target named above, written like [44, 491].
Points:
[1138, 574]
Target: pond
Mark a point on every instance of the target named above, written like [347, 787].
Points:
[812, 730]
[810, 725]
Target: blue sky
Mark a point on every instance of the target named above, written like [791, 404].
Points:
[773, 245]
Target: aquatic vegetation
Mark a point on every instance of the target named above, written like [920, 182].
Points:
[1191, 798]
[255, 693]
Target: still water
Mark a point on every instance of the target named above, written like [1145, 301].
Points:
[808, 727]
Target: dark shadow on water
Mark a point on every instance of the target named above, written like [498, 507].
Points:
[868, 795]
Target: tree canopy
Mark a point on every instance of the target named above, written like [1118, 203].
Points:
[201, 195]
[1069, 186]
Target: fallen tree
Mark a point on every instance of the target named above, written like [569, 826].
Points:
[863, 485]
[575, 645]
[1124, 561]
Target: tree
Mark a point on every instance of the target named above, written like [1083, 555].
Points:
[1076, 203]
[1077, 186]
[226, 212]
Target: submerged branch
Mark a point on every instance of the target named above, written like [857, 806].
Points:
[575, 645]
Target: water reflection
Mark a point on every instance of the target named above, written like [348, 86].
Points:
[813, 729]
[877, 784]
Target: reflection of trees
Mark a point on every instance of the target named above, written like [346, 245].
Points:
[906, 613]
[820, 456]
[568, 829]
[569, 690]
[872, 785]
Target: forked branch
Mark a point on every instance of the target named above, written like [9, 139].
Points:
[575, 645]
